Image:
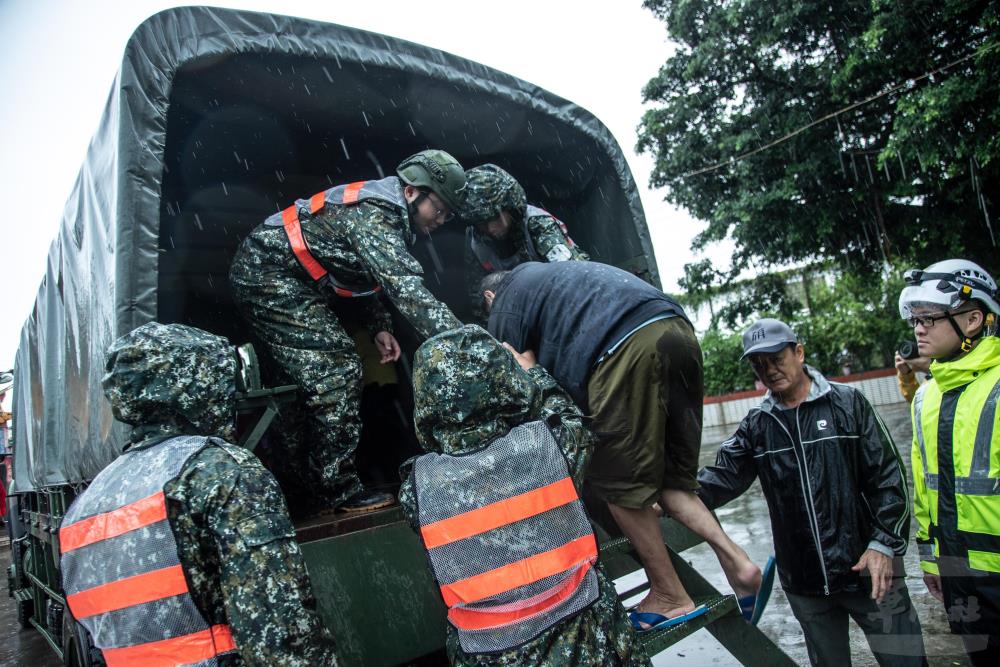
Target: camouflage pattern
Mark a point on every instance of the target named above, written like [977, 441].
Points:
[488, 191]
[468, 390]
[240, 556]
[225, 509]
[171, 378]
[491, 190]
[359, 244]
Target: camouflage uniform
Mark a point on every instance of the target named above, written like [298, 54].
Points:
[234, 538]
[363, 243]
[468, 391]
[491, 190]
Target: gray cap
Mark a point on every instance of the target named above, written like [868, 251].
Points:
[767, 335]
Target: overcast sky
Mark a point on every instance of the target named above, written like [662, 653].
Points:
[58, 59]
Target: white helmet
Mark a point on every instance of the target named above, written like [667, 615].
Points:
[947, 285]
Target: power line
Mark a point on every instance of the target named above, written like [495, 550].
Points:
[906, 84]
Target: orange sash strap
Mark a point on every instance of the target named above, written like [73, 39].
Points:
[520, 573]
[290, 218]
[351, 192]
[104, 526]
[184, 650]
[500, 513]
[130, 591]
[475, 619]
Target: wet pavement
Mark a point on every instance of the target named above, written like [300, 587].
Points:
[747, 522]
[20, 647]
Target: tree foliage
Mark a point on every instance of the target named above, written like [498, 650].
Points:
[908, 178]
[838, 317]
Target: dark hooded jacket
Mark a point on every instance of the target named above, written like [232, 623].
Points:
[833, 480]
[469, 390]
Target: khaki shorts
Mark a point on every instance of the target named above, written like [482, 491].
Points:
[646, 402]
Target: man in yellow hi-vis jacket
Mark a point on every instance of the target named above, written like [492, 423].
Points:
[952, 307]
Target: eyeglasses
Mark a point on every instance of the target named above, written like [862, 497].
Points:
[927, 321]
[439, 213]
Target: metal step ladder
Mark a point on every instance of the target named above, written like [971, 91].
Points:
[723, 620]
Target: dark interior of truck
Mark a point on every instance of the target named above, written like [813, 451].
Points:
[247, 134]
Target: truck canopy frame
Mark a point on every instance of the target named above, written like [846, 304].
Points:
[217, 119]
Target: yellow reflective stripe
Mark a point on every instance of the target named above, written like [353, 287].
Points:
[984, 560]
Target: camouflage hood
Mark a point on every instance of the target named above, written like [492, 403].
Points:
[170, 379]
[489, 190]
[469, 390]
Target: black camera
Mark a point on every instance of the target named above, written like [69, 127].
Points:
[908, 349]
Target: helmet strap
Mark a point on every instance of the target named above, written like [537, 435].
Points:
[967, 342]
[411, 207]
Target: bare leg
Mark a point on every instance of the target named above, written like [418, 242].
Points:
[684, 506]
[666, 593]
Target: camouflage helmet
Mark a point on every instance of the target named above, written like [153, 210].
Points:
[491, 190]
[172, 378]
[468, 390]
[438, 172]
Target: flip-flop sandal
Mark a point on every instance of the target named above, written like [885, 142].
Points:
[659, 621]
[752, 606]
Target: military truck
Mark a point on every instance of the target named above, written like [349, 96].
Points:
[216, 120]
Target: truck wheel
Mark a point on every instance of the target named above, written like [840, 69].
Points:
[25, 610]
[78, 649]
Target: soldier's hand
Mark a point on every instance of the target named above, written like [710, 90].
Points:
[388, 346]
[933, 583]
[879, 566]
[525, 360]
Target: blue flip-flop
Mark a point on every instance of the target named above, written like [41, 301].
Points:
[752, 606]
[659, 621]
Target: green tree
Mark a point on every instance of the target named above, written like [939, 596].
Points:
[725, 371]
[908, 178]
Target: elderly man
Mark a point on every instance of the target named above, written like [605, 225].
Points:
[953, 309]
[348, 244]
[627, 354]
[507, 451]
[836, 490]
[181, 550]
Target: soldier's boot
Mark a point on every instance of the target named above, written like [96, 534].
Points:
[367, 500]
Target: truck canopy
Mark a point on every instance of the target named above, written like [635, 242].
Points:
[217, 119]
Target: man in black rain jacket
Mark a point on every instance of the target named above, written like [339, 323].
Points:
[836, 491]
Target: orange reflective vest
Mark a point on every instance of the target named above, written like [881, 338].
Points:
[508, 540]
[121, 571]
[387, 189]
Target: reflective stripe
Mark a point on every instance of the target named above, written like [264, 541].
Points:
[977, 486]
[520, 573]
[352, 191]
[918, 426]
[925, 550]
[105, 526]
[128, 592]
[984, 435]
[317, 202]
[465, 618]
[185, 650]
[290, 219]
[931, 480]
[498, 514]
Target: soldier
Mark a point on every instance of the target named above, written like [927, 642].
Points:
[504, 230]
[349, 243]
[502, 434]
[181, 550]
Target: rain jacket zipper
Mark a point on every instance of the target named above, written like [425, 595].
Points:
[800, 457]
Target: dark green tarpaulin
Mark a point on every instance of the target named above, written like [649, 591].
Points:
[217, 119]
